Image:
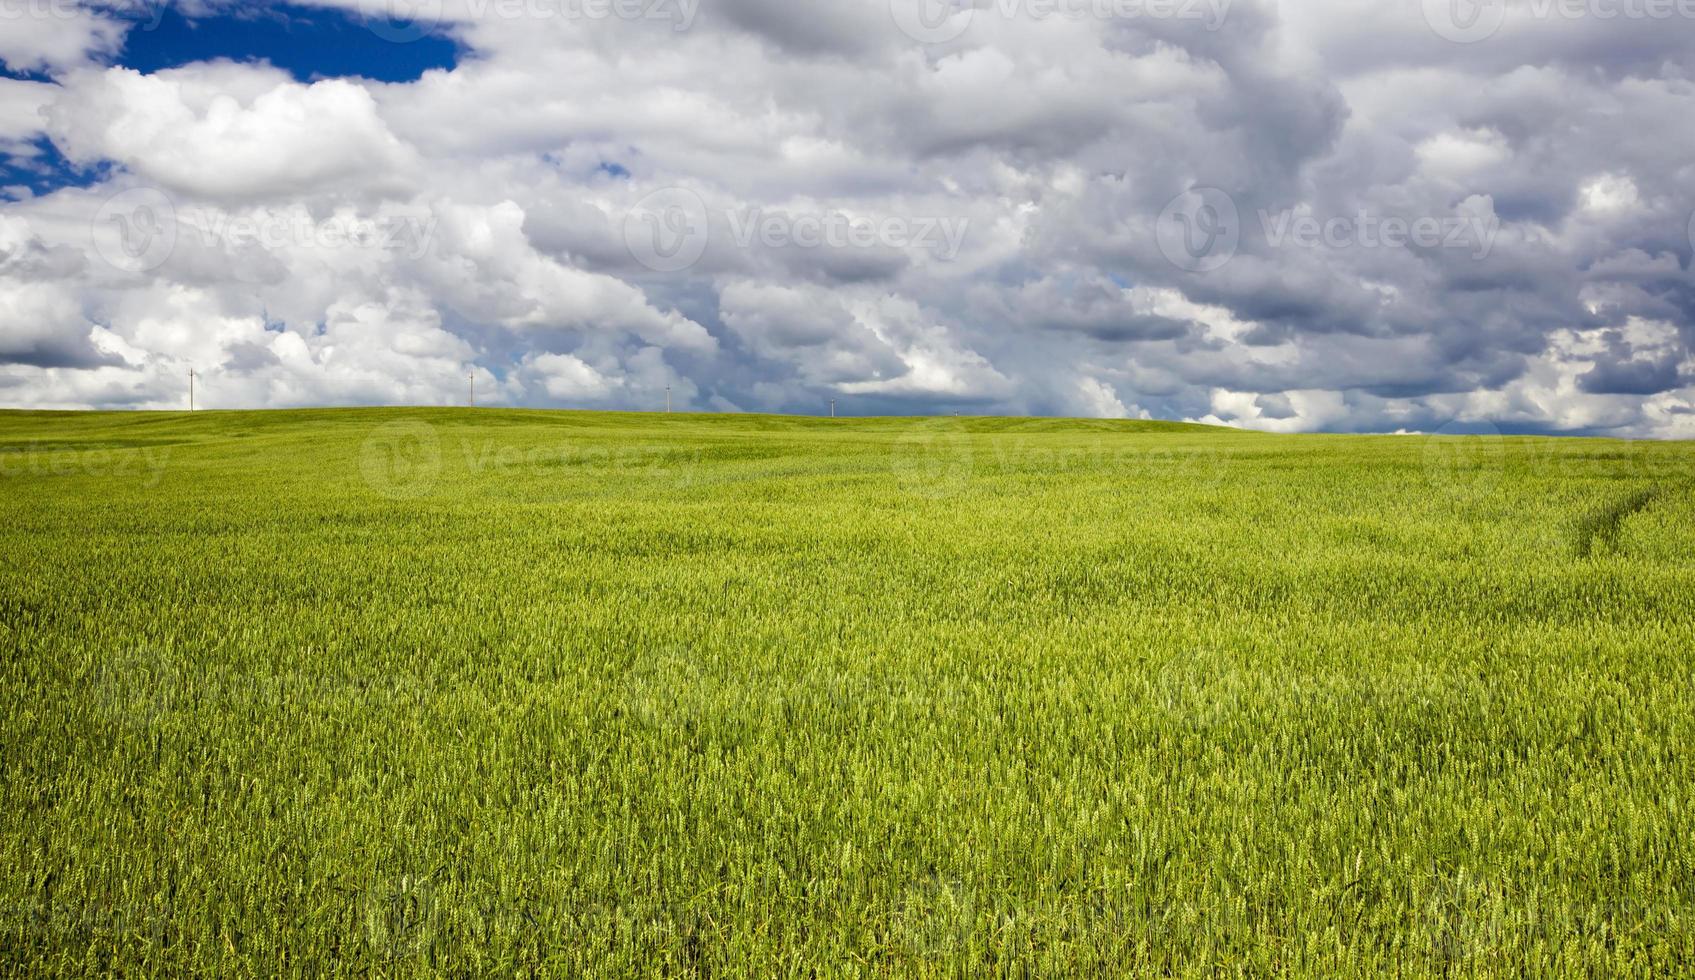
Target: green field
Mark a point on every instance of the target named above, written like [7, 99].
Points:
[456, 692]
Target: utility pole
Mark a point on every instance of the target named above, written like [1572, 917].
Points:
[191, 389]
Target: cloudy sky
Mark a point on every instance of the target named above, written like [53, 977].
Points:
[1332, 215]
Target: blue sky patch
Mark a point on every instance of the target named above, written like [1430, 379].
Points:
[307, 42]
[6, 71]
[43, 169]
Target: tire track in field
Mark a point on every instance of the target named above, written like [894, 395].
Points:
[1602, 526]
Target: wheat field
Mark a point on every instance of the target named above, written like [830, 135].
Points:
[419, 692]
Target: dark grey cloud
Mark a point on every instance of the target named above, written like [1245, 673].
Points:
[1277, 407]
[49, 352]
[1633, 377]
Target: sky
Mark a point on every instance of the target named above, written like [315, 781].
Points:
[1311, 215]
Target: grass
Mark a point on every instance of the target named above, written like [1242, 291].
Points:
[435, 692]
